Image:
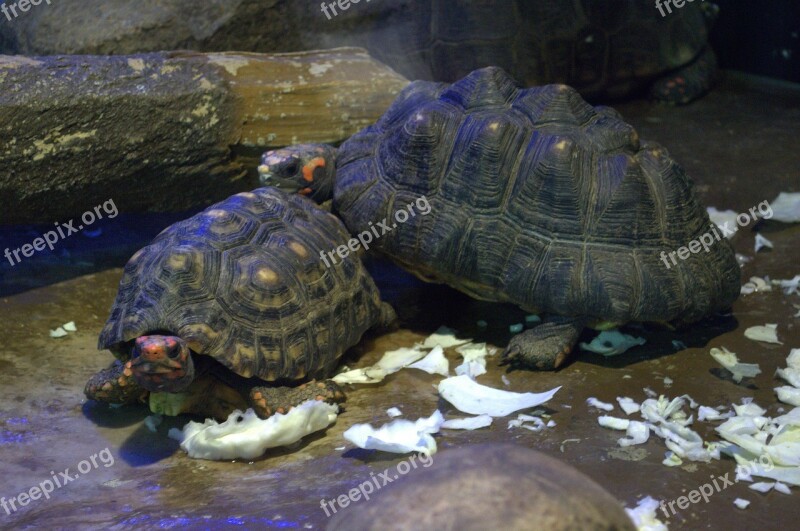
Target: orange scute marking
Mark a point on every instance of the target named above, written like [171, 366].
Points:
[306, 191]
[313, 164]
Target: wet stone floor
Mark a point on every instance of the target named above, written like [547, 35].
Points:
[740, 146]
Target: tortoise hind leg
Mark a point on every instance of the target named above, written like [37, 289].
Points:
[267, 401]
[689, 82]
[547, 346]
[115, 385]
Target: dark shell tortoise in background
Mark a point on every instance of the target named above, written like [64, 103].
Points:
[606, 49]
[538, 199]
[237, 294]
[486, 486]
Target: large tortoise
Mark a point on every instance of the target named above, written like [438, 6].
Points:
[537, 198]
[237, 292]
[606, 49]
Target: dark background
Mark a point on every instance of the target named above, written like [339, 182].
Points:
[760, 37]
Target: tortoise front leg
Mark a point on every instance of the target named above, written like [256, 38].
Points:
[547, 346]
[115, 385]
[267, 401]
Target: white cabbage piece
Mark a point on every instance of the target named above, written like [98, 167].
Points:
[394, 360]
[672, 460]
[637, 433]
[767, 333]
[476, 399]
[762, 242]
[628, 405]
[391, 362]
[721, 217]
[399, 436]
[524, 421]
[367, 375]
[246, 436]
[443, 337]
[782, 488]
[749, 409]
[644, 517]
[741, 503]
[594, 402]
[58, 332]
[614, 423]
[756, 284]
[394, 412]
[788, 395]
[474, 359]
[433, 363]
[468, 423]
[709, 413]
[730, 361]
[762, 486]
[70, 326]
[612, 343]
[786, 207]
[789, 286]
[785, 474]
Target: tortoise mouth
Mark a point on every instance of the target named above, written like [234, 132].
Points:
[162, 363]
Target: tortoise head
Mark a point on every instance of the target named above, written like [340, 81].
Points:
[307, 169]
[162, 363]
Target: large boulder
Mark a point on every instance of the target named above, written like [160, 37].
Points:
[485, 486]
[168, 131]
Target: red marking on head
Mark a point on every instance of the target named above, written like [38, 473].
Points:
[152, 349]
[680, 80]
[313, 164]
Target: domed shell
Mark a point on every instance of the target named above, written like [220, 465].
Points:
[243, 282]
[537, 198]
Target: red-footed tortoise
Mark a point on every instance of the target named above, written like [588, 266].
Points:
[237, 292]
[537, 198]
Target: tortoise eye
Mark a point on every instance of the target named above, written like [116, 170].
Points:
[291, 168]
[174, 352]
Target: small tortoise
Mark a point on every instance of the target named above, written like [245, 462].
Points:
[485, 486]
[238, 292]
[537, 198]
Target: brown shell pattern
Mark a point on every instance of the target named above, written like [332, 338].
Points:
[538, 199]
[243, 282]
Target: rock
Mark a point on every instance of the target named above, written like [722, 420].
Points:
[168, 131]
[488, 486]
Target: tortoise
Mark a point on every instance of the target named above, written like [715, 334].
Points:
[607, 50]
[484, 486]
[237, 293]
[537, 198]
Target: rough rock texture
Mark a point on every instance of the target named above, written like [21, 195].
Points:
[489, 486]
[605, 53]
[168, 131]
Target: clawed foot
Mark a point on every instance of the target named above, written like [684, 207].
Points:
[267, 401]
[545, 347]
[115, 385]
